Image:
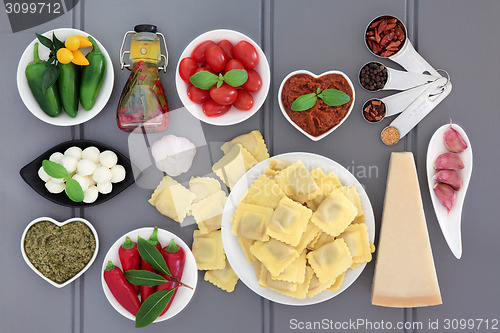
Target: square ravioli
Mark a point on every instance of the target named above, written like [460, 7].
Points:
[289, 221]
[352, 194]
[338, 283]
[225, 278]
[327, 183]
[274, 255]
[322, 239]
[334, 214]
[208, 212]
[357, 240]
[202, 187]
[266, 281]
[233, 165]
[307, 237]
[208, 251]
[264, 192]
[300, 290]
[330, 260]
[297, 183]
[253, 142]
[172, 199]
[295, 272]
[251, 221]
[315, 287]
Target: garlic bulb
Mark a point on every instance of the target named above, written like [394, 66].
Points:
[173, 155]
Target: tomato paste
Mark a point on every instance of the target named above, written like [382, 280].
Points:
[321, 117]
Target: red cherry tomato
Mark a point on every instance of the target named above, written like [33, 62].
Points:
[198, 53]
[244, 101]
[246, 53]
[224, 95]
[200, 69]
[254, 82]
[214, 109]
[234, 64]
[215, 58]
[187, 67]
[197, 95]
[227, 48]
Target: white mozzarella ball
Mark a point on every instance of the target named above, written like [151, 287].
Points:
[86, 167]
[82, 180]
[91, 180]
[56, 157]
[118, 172]
[108, 158]
[102, 174]
[70, 163]
[105, 188]
[55, 187]
[57, 180]
[91, 194]
[91, 153]
[43, 175]
[75, 152]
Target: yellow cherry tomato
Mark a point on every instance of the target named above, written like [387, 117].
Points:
[84, 42]
[72, 43]
[64, 56]
[79, 58]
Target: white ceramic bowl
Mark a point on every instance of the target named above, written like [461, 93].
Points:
[63, 119]
[28, 262]
[301, 71]
[233, 116]
[233, 250]
[189, 276]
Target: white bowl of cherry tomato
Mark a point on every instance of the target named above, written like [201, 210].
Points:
[222, 98]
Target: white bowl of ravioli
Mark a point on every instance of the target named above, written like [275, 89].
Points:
[313, 279]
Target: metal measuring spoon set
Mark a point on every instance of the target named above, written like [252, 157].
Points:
[422, 86]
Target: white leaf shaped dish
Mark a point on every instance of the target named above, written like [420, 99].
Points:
[450, 223]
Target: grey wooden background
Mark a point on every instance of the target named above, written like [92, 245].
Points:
[317, 35]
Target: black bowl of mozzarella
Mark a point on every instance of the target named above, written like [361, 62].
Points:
[101, 171]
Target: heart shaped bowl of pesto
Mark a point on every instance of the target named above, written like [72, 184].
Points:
[59, 252]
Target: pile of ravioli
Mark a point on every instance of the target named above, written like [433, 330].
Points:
[205, 200]
[302, 230]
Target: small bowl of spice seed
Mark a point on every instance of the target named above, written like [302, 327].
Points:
[59, 252]
[373, 76]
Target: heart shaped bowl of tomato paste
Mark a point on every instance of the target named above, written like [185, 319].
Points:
[189, 275]
[40, 252]
[318, 79]
[63, 119]
[29, 173]
[233, 116]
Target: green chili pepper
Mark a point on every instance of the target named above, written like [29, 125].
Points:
[69, 87]
[49, 100]
[92, 76]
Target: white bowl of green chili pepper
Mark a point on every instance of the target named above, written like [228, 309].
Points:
[105, 73]
[59, 252]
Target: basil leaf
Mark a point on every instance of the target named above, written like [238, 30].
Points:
[334, 97]
[144, 278]
[304, 102]
[150, 254]
[49, 77]
[53, 169]
[203, 80]
[236, 77]
[57, 43]
[152, 307]
[74, 190]
[45, 41]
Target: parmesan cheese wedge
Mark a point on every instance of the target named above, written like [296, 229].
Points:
[405, 275]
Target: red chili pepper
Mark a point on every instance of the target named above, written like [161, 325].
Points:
[175, 257]
[121, 289]
[130, 258]
[145, 290]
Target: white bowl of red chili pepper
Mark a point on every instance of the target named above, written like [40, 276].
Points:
[189, 275]
[321, 119]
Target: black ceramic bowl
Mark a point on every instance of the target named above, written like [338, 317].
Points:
[30, 174]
